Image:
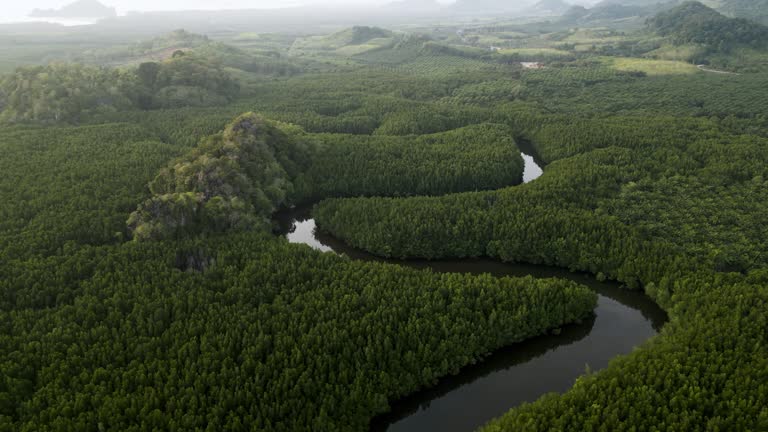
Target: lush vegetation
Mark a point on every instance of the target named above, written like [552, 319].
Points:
[269, 337]
[154, 48]
[234, 181]
[354, 41]
[93, 324]
[237, 179]
[64, 93]
[68, 92]
[653, 67]
[670, 208]
[185, 80]
[756, 10]
[472, 158]
[654, 178]
[693, 22]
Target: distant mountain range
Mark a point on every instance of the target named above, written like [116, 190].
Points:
[415, 5]
[584, 10]
[481, 6]
[551, 7]
[613, 10]
[78, 9]
[756, 10]
[478, 7]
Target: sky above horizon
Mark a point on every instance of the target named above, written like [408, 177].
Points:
[22, 9]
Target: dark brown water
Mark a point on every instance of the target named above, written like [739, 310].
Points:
[519, 373]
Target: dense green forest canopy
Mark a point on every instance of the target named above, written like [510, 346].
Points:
[67, 92]
[655, 177]
[234, 180]
[756, 10]
[613, 11]
[151, 293]
[60, 93]
[237, 179]
[479, 157]
[692, 22]
[161, 45]
[359, 34]
[179, 69]
[265, 60]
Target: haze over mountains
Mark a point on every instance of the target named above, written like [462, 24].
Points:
[289, 17]
[414, 5]
[78, 9]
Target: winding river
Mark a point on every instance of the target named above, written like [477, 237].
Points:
[519, 373]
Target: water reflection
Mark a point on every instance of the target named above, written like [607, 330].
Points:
[534, 165]
[304, 232]
[519, 373]
[532, 169]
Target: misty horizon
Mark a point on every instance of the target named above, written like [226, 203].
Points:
[22, 11]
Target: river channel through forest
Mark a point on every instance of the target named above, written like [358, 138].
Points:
[516, 374]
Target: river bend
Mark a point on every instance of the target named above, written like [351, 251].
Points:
[519, 373]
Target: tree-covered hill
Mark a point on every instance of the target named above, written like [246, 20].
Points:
[158, 48]
[233, 332]
[181, 42]
[64, 93]
[756, 10]
[609, 12]
[235, 180]
[695, 23]
[71, 92]
[617, 12]
[355, 40]
[359, 34]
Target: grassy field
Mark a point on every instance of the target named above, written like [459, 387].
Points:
[675, 52]
[533, 52]
[351, 50]
[348, 42]
[651, 67]
[503, 39]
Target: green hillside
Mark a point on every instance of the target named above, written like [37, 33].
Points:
[355, 40]
[695, 23]
[756, 10]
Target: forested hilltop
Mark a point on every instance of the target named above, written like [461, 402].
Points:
[142, 287]
[176, 70]
[66, 92]
[695, 25]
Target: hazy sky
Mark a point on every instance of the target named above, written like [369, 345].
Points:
[17, 9]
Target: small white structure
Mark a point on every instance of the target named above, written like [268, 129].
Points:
[532, 65]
